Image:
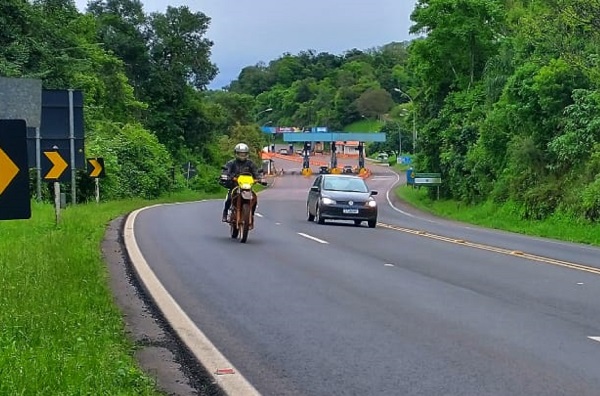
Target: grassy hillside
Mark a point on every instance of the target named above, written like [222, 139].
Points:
[364, 126]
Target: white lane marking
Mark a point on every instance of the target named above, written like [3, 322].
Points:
[312, 238]
[388, 265]
[277, 223]
[196, 341]
[595, 338]
[387, 196]
[258, 214]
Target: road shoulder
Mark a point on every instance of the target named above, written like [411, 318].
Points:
[158, 351]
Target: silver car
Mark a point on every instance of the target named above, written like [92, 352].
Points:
[341, 197]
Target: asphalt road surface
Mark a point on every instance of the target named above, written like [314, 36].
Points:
[416, 306]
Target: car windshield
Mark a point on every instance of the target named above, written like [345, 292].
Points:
[345, 184]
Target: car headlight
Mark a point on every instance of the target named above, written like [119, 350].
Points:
[371, 203]
[327, 201]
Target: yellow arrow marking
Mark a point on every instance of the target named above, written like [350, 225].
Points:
[59, 165]
[97, 168]
[8, 170]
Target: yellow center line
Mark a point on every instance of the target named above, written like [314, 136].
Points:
[528, 256]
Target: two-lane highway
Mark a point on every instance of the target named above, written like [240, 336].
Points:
[307, 309]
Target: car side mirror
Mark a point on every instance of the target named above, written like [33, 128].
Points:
[314, 188]
[374, 192]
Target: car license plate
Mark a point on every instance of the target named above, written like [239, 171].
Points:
[351, 211]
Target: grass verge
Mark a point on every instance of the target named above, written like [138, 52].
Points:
[503, 217]
[61, 332]
[400, 167]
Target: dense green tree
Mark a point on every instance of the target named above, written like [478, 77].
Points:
[310, 89]
[236, 108]
[179, 46]
[253, 80]
[122, 28]
[461, 35]
[374, 103]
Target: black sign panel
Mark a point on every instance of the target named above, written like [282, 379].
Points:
[55, 114]
[15, 202]
[55, 127]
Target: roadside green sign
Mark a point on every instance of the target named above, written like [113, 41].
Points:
[428, 179]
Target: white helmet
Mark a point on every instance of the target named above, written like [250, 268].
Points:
[241, 151]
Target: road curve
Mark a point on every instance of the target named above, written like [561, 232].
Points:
[416, 306]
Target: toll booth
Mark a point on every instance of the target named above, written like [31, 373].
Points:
[333, 137]
[314, 139]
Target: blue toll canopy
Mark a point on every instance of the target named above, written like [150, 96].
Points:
[333, 137]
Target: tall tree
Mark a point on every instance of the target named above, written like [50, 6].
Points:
[461, 35]
[123, 28]
[178, 45]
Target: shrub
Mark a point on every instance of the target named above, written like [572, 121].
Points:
[591, 200]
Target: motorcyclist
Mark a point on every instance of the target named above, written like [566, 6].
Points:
[233, 168]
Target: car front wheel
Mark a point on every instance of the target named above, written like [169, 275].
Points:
[309, 216]
[318, 217]
[372, 223]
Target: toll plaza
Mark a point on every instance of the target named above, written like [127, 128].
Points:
[315, 137]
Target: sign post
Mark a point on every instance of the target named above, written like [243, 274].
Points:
[190, 171]
[72, 146]
[38, 163]
[57, 201]
[187, 177]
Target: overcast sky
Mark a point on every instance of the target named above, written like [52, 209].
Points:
[246, 32]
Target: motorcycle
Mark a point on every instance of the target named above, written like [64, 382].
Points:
[243, 198]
